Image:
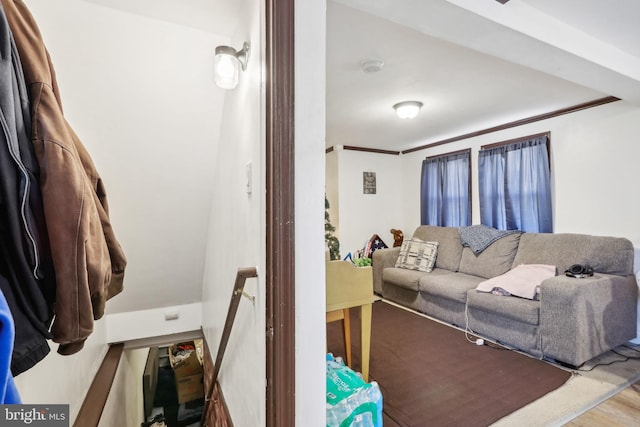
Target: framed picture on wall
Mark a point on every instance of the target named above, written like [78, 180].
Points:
[368, 183]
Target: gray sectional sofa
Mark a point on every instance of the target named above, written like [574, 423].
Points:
[570, 321]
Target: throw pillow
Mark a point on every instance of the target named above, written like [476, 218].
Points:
[416, 254]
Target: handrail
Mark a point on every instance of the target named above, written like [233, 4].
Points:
[93, 404]
[238, 290]
[96, 398]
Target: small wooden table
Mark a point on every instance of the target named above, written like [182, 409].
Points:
[348, 287]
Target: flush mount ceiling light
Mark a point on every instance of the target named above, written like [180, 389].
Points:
[407, 109]
[226, 63]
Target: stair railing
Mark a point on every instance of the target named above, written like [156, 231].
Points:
[238, 290]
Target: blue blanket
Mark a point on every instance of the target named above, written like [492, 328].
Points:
[8, 392]
[479, 237]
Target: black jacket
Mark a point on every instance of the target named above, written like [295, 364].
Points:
[26, 274]
[89, 262]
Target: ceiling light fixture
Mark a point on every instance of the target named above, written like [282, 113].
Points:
[226, 64]
[407, 109]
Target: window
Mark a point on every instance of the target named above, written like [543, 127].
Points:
[445, 195]
[514, 185]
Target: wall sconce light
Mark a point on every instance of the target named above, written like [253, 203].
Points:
[407, 109]
[226, 63]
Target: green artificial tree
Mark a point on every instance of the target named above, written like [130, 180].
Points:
[331, 240]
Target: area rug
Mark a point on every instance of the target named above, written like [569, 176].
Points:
[431, 375]
[591, 384]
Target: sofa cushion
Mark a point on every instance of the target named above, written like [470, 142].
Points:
[416, 254]
[446, 284]
[449, 248]
[403, 278]
[609, 255]
[519, 309]
[495, 260]
[523, 281]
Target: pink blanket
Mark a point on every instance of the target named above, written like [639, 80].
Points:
[522, 281]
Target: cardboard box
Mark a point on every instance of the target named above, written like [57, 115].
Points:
[191, 365]
[189, 388]
[188, 372]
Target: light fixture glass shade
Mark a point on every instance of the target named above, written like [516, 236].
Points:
[226, 66]
[408, 109]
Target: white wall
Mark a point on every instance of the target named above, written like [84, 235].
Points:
[140, 94]
[64, 379]
[237, 226]
[362, 215]
[236, 236]
[125, 403]
[171, 147]
[153, 324]
[310, 29]
[594, 163]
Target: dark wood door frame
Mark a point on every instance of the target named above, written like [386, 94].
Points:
[280, 244]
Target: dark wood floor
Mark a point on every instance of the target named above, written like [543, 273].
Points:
[621, 410]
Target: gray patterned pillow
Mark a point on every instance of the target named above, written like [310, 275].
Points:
[416, 254]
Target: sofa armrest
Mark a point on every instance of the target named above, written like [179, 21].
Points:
[582, 318]
[382, 258]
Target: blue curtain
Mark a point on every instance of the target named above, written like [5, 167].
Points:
[515, 186]
[444, 191]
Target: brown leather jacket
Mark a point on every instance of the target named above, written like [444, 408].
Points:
[88, 260]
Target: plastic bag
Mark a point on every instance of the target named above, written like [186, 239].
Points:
[350, 400]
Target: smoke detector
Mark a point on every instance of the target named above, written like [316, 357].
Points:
[371, 66]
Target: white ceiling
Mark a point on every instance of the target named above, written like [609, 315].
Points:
[473, 63]
[215, 16]
[615, 23]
